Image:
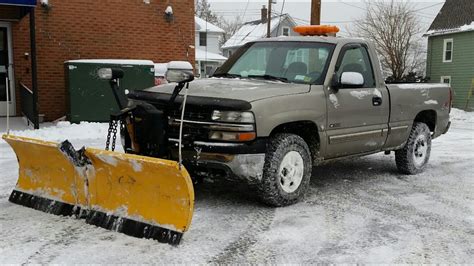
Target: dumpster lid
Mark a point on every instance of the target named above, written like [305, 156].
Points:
[19, 2]
[112, 61]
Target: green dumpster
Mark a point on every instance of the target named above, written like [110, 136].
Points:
[90, 98]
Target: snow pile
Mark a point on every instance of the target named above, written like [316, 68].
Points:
[66, 130]
[461, 115]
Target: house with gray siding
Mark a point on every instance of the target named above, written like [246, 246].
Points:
[281, 25]
[450, 56]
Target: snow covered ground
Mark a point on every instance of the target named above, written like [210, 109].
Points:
[358, 210]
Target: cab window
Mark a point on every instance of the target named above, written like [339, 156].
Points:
[356, 59]
[296, 62]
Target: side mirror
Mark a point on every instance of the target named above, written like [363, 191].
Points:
[179, 72]
[352, 80]
[110, 73]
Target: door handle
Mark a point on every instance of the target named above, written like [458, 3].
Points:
[376, 101]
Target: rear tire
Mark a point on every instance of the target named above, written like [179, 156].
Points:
[287, 170]
[414, 156]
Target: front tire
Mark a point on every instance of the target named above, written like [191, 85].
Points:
[287, 170]
[414, 156]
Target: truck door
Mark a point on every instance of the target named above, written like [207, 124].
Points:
[357, 117]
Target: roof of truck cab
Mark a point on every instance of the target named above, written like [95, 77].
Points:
[324, 39]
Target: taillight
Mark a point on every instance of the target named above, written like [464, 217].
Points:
[450, 99]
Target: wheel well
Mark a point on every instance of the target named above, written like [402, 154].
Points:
[428, 117]
[307, 130]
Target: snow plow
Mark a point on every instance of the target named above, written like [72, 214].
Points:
[138, 195]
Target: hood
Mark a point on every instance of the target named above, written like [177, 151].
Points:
[239, 89]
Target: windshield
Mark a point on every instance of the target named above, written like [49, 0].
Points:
[298, 62]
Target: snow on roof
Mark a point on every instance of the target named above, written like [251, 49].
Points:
[112, 61]
[201, 56]
[464, 28]
[252, 31]
[455, 16]
[204, 26]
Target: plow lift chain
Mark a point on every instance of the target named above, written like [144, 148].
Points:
[112, 131]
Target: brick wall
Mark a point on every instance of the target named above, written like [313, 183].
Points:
[83, 29]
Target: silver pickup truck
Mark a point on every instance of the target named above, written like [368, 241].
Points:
[280, 106]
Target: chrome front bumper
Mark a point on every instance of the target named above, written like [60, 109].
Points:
[247, 167]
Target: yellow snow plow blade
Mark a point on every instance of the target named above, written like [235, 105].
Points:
[137, 195]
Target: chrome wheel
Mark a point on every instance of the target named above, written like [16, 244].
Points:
[291, 171]
[420, 150]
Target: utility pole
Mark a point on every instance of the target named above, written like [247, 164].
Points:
[269, 18]
[315, 12]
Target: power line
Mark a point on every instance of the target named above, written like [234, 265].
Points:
[243, 16]
[246, 6]
[347, 4]
[416, 10]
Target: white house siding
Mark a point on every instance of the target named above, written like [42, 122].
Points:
[212, 42]
[277, 31]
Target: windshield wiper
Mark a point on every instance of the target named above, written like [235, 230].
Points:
[227, 75]
[269, 77]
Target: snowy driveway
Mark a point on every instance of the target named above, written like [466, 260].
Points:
[358, 210]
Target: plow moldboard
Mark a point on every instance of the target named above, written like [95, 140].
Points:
[139, 196]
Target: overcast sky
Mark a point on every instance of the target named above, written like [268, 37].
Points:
[337, 12]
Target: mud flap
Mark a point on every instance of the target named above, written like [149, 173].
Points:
[136, 195]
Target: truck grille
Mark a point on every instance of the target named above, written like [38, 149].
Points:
[195, 115]
[191, 131]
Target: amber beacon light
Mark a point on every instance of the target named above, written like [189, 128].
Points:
[315, 30]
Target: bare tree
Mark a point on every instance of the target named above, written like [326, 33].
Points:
[230, 27]
[203, 10]
[395, 30]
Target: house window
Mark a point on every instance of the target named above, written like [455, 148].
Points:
[285, 31]
[446, 79]
[448, 51]
[203, 39]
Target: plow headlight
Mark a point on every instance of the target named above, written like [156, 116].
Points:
[110, 73]
[232, 116]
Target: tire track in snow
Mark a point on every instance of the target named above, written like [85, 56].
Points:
[388, 195]
[240, 250]
[244, 209]
[53, 248]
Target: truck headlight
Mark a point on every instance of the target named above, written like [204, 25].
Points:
[233, 116]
